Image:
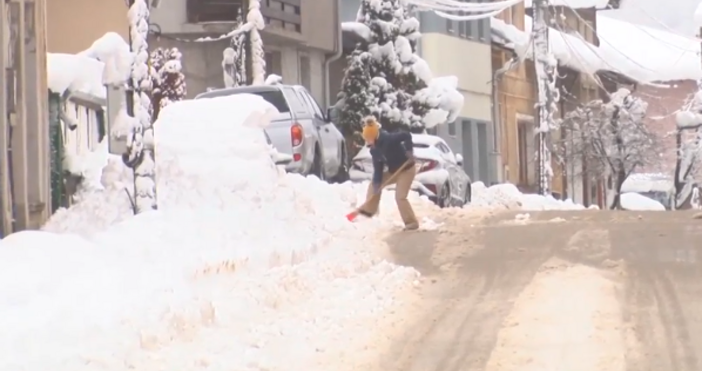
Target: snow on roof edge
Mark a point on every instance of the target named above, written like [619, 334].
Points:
[618, 53]
[75, 73]
[575, 4]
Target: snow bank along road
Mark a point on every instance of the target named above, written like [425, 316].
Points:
[558, 290]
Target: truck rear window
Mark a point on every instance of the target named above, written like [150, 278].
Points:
[275, 98]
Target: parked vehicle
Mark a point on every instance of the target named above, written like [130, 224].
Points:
[280, 159]
[301, 129]
[440, 174]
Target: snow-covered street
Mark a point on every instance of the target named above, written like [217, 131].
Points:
[242, 267]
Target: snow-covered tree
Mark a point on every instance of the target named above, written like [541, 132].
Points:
[401, 84]
[610, 138]
[234, 58]
[689, 146]
[140, 143]
[167, 79]
[258, 56]
[394, 35]
[355, 99]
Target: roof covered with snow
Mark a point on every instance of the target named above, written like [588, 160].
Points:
[643, 54]
[649, 54]
[576, 4]
[75, 73]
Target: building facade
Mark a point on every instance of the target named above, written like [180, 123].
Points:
[515, 96]
[301, 37]
[472, 134]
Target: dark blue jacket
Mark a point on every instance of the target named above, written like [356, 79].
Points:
[390, 149]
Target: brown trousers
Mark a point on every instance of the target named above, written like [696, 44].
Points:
[403, 184]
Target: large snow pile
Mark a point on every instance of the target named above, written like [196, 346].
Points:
[242, 267]
[507, 196]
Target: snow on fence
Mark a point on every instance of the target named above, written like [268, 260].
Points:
[88, 112]
[77, 120]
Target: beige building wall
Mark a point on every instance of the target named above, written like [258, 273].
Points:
[467, 60]
[73, 25]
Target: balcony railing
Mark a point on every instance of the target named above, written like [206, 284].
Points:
[280, 14]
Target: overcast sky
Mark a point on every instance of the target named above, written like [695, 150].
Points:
[652, 13]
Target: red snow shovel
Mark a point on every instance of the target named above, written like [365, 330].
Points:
[391, 179]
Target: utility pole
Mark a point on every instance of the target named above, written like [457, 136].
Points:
[5, 195]
[548, 95]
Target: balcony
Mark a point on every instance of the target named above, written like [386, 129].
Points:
[278, 14]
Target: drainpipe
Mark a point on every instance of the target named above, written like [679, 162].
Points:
[338, 52]
[497, 125]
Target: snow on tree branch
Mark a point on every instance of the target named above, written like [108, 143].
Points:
[609, 139]
[258, 57]
[386, 78]
[689, 147]
[140, 156]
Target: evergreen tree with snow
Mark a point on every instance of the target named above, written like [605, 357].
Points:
[405, 94]
[355, 99]
[167, 78]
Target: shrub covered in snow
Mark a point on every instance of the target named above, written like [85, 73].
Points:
[610, 138]
[167, 78]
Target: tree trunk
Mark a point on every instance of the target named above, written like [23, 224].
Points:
[619, 182]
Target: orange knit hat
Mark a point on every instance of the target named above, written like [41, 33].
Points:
[371, 129]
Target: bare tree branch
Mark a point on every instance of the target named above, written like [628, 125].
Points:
[609, 138]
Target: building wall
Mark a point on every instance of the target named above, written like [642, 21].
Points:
[202, 64]
[319, 30]
[73, 25]
[471, 134]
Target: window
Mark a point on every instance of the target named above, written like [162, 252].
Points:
[295, 101]
[468, 146]
[312, 104]
[305, 76]
[443, 147]
[274, 63]
[461, 26]
[452, 128]
[482, 152]
[449, 26]
[523, 154]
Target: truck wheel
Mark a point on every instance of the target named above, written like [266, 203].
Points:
[444, 196]
[317, 168]
[342, 175]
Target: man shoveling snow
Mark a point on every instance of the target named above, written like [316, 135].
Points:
[393, 150]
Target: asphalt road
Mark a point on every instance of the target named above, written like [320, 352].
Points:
[561, 291]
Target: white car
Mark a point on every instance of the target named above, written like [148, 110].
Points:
[440, 174]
